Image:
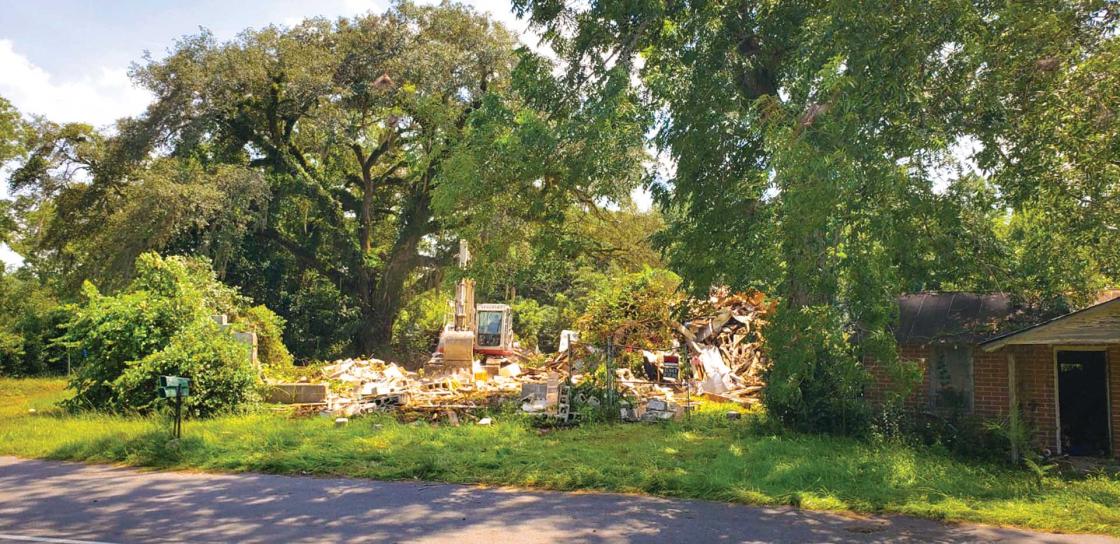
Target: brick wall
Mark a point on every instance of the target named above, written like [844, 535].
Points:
[990, 391]
[1037, 397]
[990, 386]
[1114, 391]
[881, 381]
[1036, 373]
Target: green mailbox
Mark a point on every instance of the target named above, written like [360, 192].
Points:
[171, 387]
[175, 387]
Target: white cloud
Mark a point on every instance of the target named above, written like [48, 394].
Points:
[9, 258]
[98, 100]
[642, 198]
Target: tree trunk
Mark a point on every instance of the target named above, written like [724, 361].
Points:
[387, 297]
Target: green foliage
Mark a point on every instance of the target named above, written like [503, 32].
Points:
[269, 328]
[221, 376]
[161, 325]
[11, 131]
[550, 269]
[417, 331]
[1018, 435]
[113, 332]
[321, 321]
[328, 163]
[534, 323]
[815, 382]
[818, 146]
[29, 322]
[631, 310]
[171, 202]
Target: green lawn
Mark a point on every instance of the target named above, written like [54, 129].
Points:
[707, 457]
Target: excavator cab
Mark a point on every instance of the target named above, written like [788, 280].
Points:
[495, 329]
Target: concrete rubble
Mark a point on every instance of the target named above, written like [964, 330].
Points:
[356, 386]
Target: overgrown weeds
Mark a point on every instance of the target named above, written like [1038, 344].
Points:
[707, 456]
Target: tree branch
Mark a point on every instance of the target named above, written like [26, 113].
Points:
[305, 258]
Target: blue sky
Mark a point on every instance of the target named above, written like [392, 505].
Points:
[68, 60]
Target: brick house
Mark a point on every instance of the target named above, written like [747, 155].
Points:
[981, 354]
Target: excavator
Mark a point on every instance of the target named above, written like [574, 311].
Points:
[477, 338]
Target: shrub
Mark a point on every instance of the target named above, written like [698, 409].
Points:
[632, 310]
[29, 323]
[269, 328]
[161, 325]
[816, 382]
[221, 376]
[111, 333]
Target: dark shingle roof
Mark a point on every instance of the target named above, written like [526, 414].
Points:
[925, 318]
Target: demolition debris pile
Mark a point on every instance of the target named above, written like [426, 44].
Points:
[724, 337]
[725, 363]
[356, 386]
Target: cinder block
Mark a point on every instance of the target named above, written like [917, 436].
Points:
[298, 393]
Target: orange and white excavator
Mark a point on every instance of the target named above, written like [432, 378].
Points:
[477, 337]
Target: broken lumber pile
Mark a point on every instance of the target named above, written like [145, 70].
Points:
[724, 336]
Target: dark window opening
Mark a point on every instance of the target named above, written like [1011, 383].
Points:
[1083, 402]
[951, 379]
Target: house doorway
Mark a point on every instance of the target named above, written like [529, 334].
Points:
[1083, 402]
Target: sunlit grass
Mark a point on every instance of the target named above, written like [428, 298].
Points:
[707, 457]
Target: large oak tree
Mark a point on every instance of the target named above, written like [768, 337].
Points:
[346, 153]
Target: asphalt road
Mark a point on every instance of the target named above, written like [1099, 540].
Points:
[67, 503]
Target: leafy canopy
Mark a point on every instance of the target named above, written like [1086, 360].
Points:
[816, 146]
[331, 164]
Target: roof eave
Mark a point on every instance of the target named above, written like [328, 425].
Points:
[1003, 340]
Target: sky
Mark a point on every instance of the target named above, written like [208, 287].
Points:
[68, 60]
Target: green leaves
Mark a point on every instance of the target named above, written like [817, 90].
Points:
[813, 151]
[11, 131]
[161, 325]
[633, 310]
[29, 320]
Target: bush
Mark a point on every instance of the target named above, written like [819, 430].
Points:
[269, 328]
[633, 309]
[161, 325]
[816, 382]
[30, 318]
[221, 376]
[112, 333]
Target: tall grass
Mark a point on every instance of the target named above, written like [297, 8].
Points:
[707, 457]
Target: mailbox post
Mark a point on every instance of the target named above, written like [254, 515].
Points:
[175, 387]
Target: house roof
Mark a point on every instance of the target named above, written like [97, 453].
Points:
[955, 317]
[1097, 324]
